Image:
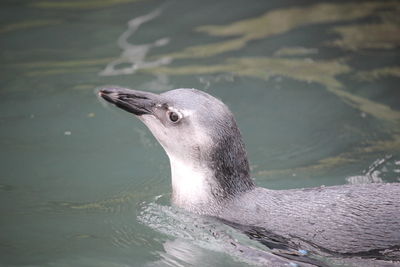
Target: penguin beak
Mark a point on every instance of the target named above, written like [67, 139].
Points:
[133, 101]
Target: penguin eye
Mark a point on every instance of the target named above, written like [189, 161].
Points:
[174, 116]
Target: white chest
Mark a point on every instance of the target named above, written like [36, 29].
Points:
[190, 185]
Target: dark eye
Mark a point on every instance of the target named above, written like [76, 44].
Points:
[174, 116]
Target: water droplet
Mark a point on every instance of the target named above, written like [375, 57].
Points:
[303, 251]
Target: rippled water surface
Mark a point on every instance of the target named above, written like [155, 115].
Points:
[314, 86]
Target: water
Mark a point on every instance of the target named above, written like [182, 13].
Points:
[314, 87]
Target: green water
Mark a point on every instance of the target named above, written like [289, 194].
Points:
[313, 85]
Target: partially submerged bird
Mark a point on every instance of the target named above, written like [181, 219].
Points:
[210, 175]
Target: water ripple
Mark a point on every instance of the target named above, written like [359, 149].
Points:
[386, 169]
[135, 55]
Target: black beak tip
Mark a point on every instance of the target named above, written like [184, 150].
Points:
[105, 93]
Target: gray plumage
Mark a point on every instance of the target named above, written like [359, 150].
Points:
[346, 219]
[210, 176]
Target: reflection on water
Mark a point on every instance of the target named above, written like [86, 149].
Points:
[381, 170]
[283, 20]
[135, 55]
[314, 87]
[75, 4]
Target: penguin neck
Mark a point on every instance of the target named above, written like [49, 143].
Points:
[192, 185]
[216, 175]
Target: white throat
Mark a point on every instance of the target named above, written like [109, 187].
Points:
[191, 185]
